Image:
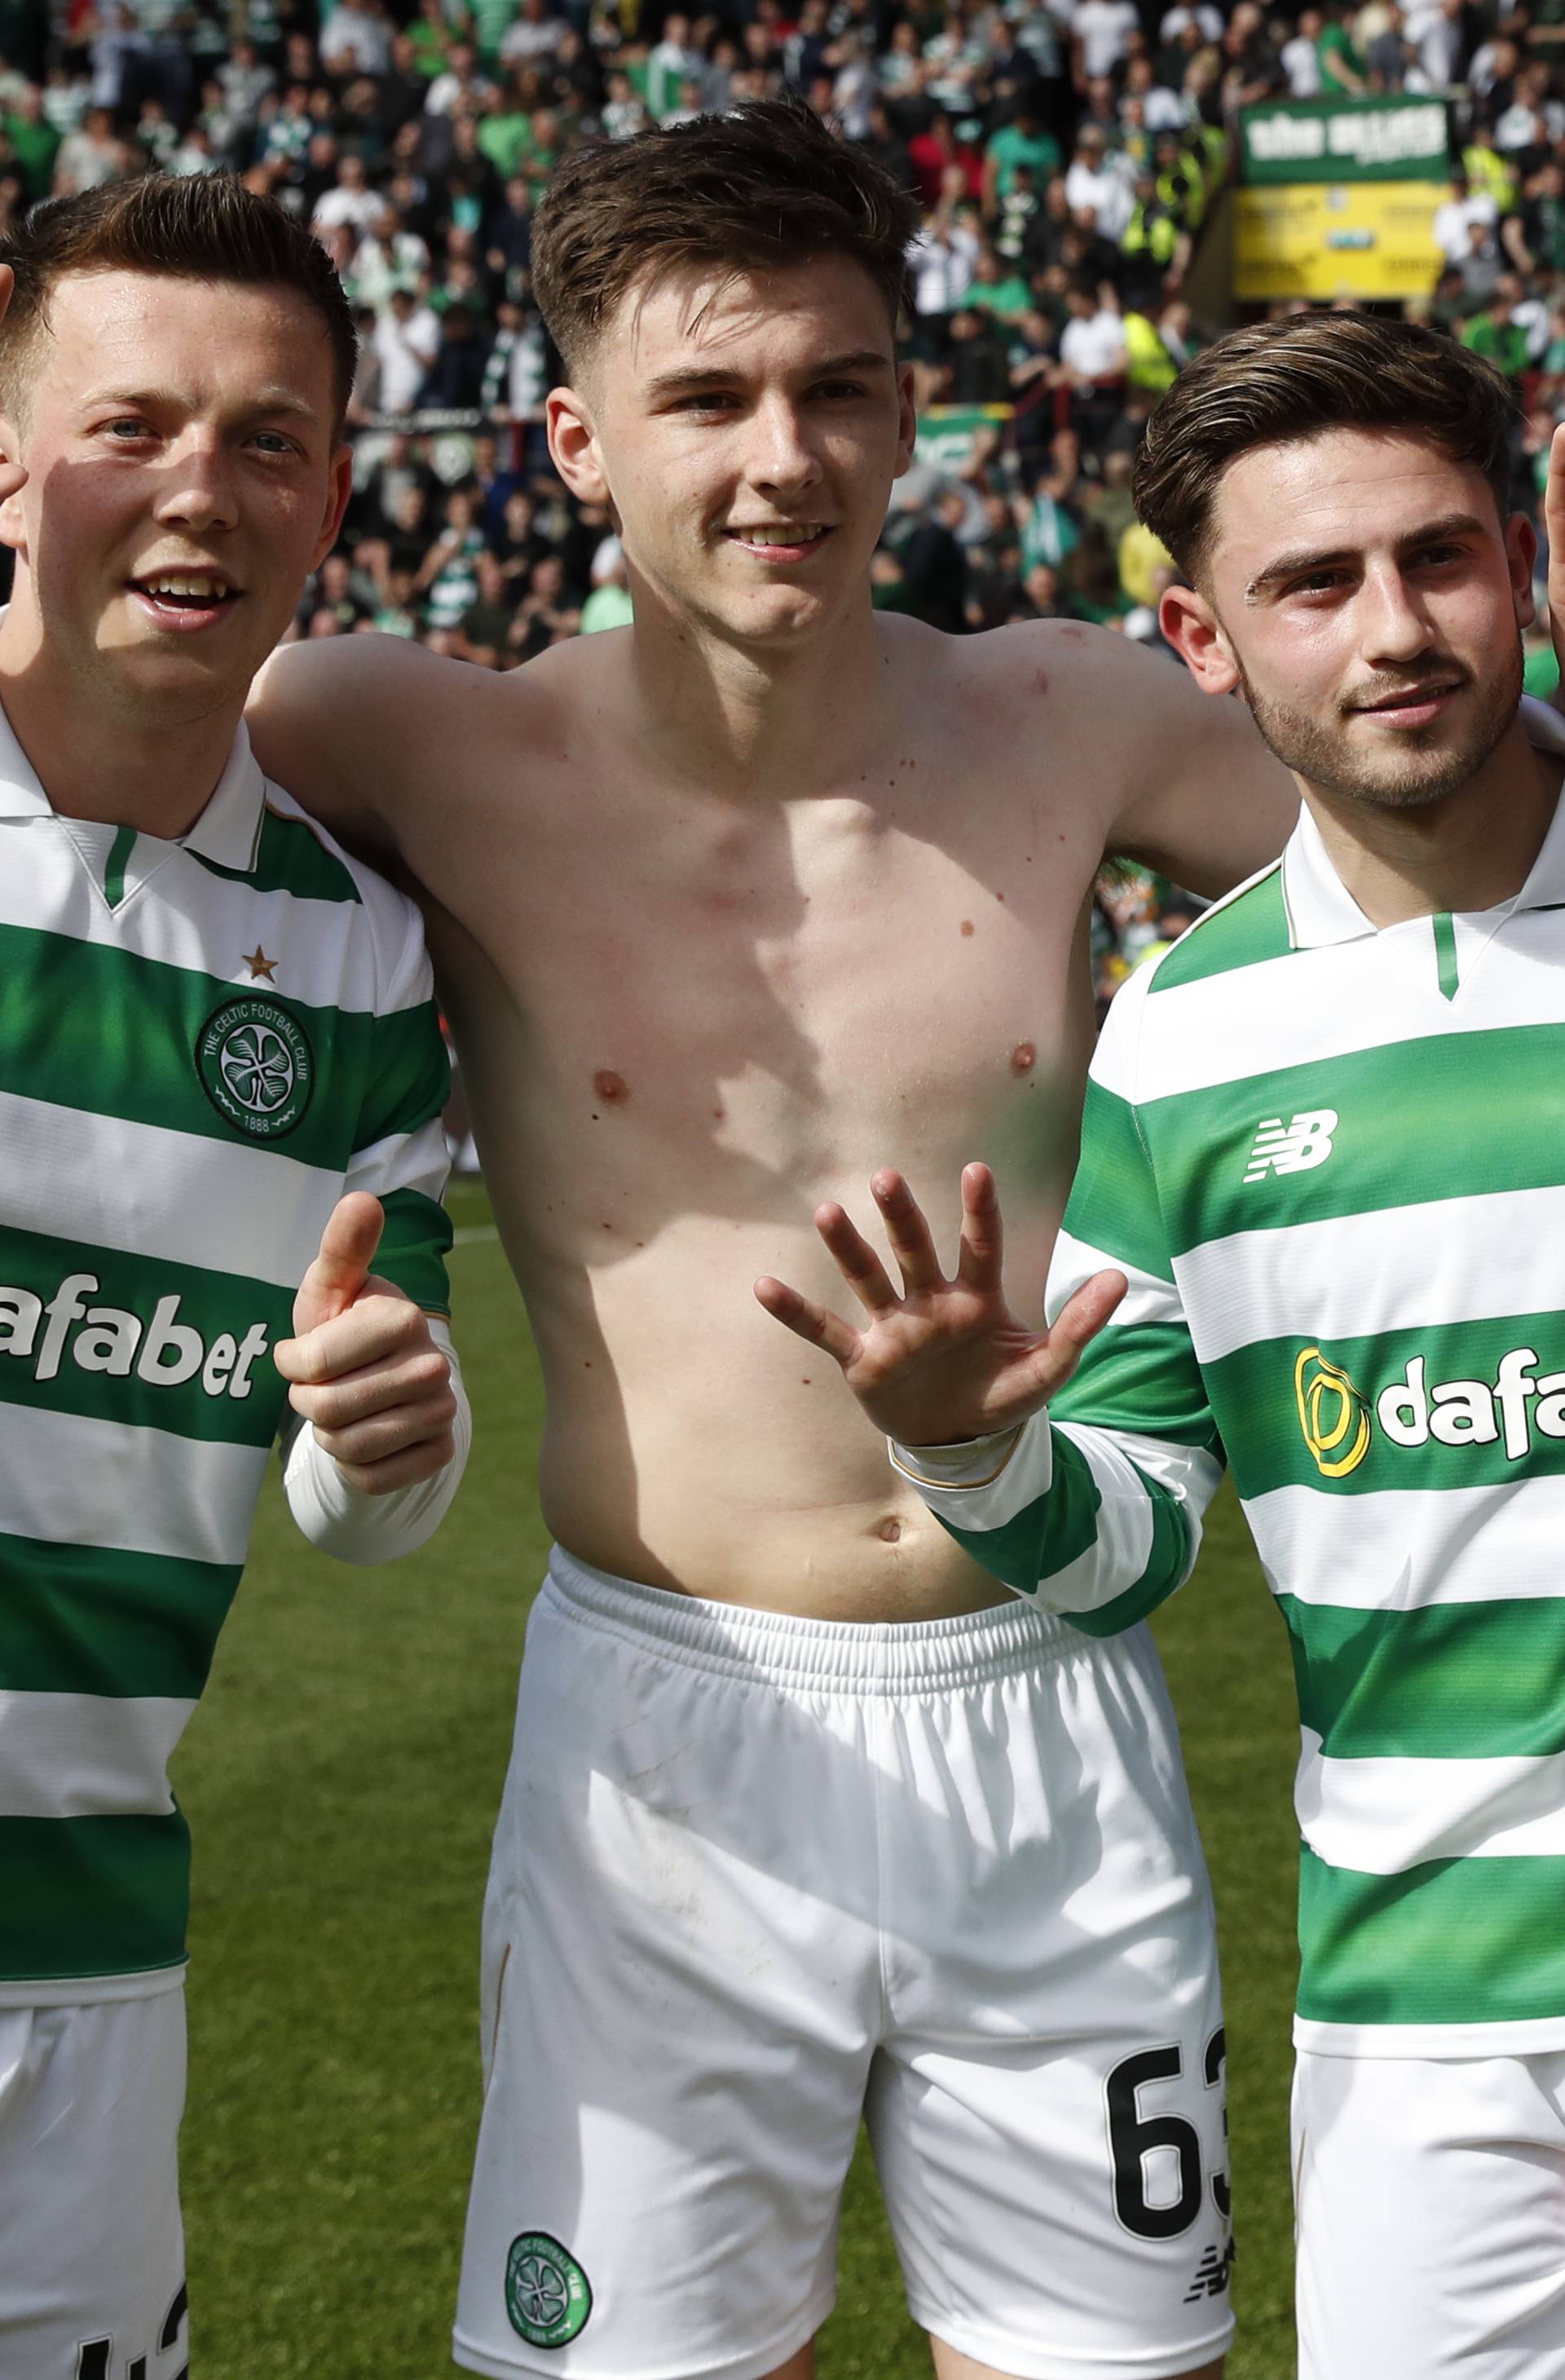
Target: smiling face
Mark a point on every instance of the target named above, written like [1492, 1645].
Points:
[185, 478]
[746, 430]
[1362, 590]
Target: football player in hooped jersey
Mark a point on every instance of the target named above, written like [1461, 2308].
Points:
[220, 1159]
[1317, 1230]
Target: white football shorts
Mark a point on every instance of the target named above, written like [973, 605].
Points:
[91, 2252]
[756, 1876]
[1431, 2209]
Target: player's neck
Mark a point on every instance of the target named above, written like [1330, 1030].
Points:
[96, 760]
[1470, 852]
[757, 723]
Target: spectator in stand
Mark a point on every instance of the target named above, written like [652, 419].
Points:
[1461, 220]
[547, 617]
[945, 255]
[978, 369]
[1101, 33]
[350, 201]
[1020, 143]
[1497, 335]
[1534, 237]
[608, 605]
[482, 632]
[355, 39]
[1100, 184]
[1092, 344]
[1300, 56]
[407, 342]
[534, 37]
[88, 158]
[453, 382]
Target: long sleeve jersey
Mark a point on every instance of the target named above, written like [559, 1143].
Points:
[1330, 1162]
[202, 1044]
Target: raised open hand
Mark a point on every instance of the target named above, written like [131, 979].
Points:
[948, 1359]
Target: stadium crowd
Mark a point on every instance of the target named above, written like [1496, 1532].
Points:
[1067, 154]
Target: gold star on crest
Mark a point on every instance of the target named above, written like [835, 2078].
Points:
[260, 965]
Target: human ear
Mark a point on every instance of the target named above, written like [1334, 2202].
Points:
[1521, 559]
[573, 443]
[907, 420]
[1193, 628]
[340, 491]
[13, 479]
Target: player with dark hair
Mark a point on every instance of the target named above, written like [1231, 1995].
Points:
[806, 1819]
[1316, 1235]
[220, 1161]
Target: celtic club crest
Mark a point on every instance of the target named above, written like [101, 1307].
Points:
[256, 1067]
[548, 2295]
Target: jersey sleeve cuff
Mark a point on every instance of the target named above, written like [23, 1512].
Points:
[968, 1465]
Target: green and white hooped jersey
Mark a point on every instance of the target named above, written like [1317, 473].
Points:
[1331, 1162]
[201, 1045]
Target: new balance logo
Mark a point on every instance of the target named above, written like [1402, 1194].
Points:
[1211, 2274]
[1293, 1148]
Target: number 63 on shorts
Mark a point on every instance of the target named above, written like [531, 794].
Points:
[1159, 2187]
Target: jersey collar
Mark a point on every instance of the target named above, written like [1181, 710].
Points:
[228, 831]
[1320, 909]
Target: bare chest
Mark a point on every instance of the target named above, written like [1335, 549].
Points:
[753, 1013]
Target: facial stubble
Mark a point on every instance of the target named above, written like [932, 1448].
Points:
[1422, 773]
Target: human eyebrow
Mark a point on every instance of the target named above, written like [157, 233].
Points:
[1300, 565]
[686, 383]
[1437, 532]
[262, 402]
[1293, 566]
[862, 359]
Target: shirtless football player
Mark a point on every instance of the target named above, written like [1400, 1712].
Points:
[805, 1821]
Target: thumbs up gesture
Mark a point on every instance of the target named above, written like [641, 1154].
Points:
[363, 1363]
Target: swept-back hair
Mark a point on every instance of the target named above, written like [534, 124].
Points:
[1280, 381]
[190, 228]
[762, 187]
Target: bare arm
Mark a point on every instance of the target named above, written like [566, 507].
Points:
[1197, 796]
[1158, 772]
[1513, 241]
[365, 732]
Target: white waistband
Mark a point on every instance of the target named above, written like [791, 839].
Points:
[845, 1657]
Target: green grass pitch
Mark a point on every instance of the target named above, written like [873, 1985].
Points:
[341, 1778]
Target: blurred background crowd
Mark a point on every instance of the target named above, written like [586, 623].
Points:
[1075, 161]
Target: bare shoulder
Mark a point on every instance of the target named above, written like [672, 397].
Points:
[1151, 767]
[1093, 678]
[1082, 697]
[361, 729]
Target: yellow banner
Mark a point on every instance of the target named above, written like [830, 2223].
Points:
[1337, 239]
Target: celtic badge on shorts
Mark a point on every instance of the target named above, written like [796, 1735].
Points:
[548, 2295]
[256, 1067]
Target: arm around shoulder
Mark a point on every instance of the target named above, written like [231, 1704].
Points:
[1195, 795]
[351, 727]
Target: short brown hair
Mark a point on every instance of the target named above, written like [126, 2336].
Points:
[190, 227]
[762, 187]
[1277, 382]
